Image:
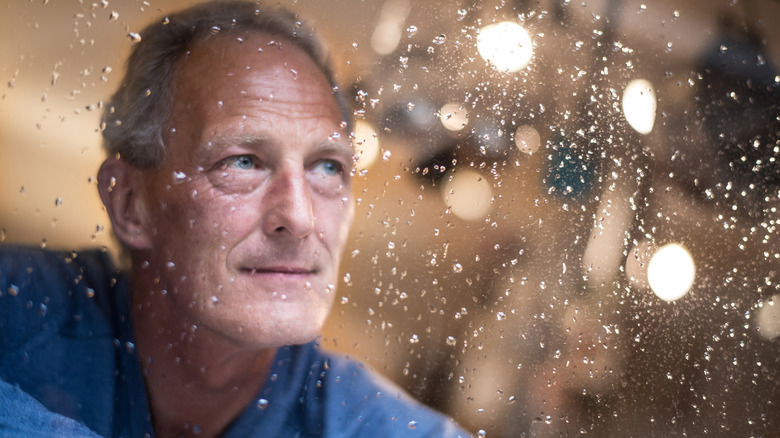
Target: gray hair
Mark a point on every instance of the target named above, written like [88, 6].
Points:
[135, 119]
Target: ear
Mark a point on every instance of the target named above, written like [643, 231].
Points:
[119, 184]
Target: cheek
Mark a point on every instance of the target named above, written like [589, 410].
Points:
[206, 216]
[335, 220]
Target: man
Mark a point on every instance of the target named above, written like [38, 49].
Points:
[228, 184]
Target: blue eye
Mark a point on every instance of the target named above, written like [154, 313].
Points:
[329, 167]
[244, 162]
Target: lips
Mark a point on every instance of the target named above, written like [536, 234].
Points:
[279, 270]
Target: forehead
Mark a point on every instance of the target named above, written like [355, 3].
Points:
[251, 64]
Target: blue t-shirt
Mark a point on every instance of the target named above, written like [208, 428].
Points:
[67, 351]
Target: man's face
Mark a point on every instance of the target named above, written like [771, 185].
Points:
[251, 210]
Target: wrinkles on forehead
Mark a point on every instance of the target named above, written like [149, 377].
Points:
[247, 86]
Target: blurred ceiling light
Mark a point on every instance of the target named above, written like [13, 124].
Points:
[468, 195]
[527, 139]
[366, 144]
[671, 272]
[505, 45]
[639, 105]
[454, 116]
[768, 318]
[388, 31]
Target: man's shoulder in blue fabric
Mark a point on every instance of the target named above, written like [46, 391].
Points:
[57, 330]
[39, 288]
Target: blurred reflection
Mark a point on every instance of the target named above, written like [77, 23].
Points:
[366, 143]
[671, 272]
[639, 105]
[454, 116]
[527, 139]
[468, 194]
[505, 45]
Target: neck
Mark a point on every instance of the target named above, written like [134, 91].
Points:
[198, 381]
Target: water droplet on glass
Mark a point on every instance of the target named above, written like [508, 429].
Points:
[457, 268]
[412, 424]
[451, 341]
[262, 403]
[58, 202]
[410, 31]
[113, 16]
[135, 38]
[179, 177]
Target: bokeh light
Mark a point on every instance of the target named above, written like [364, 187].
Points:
[366, 144]
[389, 29]
[527, 139]
[639, 105]
[505, 45]
[468, 195]
[454, 116]
[768, 318]
[671, 272]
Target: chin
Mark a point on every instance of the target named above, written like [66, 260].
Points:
[290, 324]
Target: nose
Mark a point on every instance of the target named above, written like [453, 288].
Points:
[287, 204]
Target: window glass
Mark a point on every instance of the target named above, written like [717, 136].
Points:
[566, 211]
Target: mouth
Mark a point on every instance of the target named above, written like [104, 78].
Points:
[286, 271]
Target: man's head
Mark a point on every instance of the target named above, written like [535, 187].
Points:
[135, 119]
[237, 219]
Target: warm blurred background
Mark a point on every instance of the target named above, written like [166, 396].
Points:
[567, 211]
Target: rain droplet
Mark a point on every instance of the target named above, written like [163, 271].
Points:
[262, 403]
[58, 202]
[135, 38]
[113, 17]
[451, 341]
[412, 424]
[411, 30]
[179, 177]
[457, 268]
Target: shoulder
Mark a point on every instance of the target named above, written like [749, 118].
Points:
[58, 324]
[360, 400]
[39, 288]
[67, 293]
